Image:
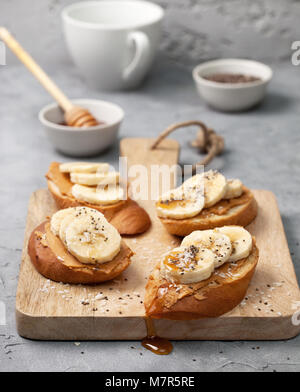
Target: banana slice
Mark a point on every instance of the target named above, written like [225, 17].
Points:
[183, 202]
[95, 178]
[215, 186]
[187, 264]
[62, 218]
[91, 239]
[241, 241]
[196, 180]
[198, 192]
[67, 220]
[98, 195]
[57, 218]
[215, 241]
[83, 167]
[234, 189]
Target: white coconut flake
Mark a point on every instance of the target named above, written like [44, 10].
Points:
[277, 284]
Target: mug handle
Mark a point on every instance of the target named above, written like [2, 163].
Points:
[138, 65]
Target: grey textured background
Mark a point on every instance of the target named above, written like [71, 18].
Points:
[194, 30]
[262, 149]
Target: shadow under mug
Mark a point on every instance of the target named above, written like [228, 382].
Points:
[113, 42]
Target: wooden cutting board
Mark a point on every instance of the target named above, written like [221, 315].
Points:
[114, 310]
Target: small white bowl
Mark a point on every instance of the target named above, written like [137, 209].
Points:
[80, 142]
[232, 96]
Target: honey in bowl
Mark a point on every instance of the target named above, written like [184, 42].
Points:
[98, 123]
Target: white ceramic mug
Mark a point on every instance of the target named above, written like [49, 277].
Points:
[113, 42]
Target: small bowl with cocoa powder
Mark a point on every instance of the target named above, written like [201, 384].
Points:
[232, 84]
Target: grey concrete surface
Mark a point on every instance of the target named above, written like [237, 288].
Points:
[194, 30]
[262, 148]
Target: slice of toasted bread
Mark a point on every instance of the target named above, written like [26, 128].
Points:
[240, 211]
[56, 268]
[126, 215]
[212, 297]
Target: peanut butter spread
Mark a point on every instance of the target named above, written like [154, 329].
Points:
[223, 206]
[61, 180]
[48, 239]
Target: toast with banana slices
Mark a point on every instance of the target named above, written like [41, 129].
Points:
[78, 245]
[206, 201]
[92, 185]
[206, 276]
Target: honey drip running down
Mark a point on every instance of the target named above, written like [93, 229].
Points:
[154, 343]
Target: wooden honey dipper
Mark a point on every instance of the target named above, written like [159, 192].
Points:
[75, 116]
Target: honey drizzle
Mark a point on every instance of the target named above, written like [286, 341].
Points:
[154, 343]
